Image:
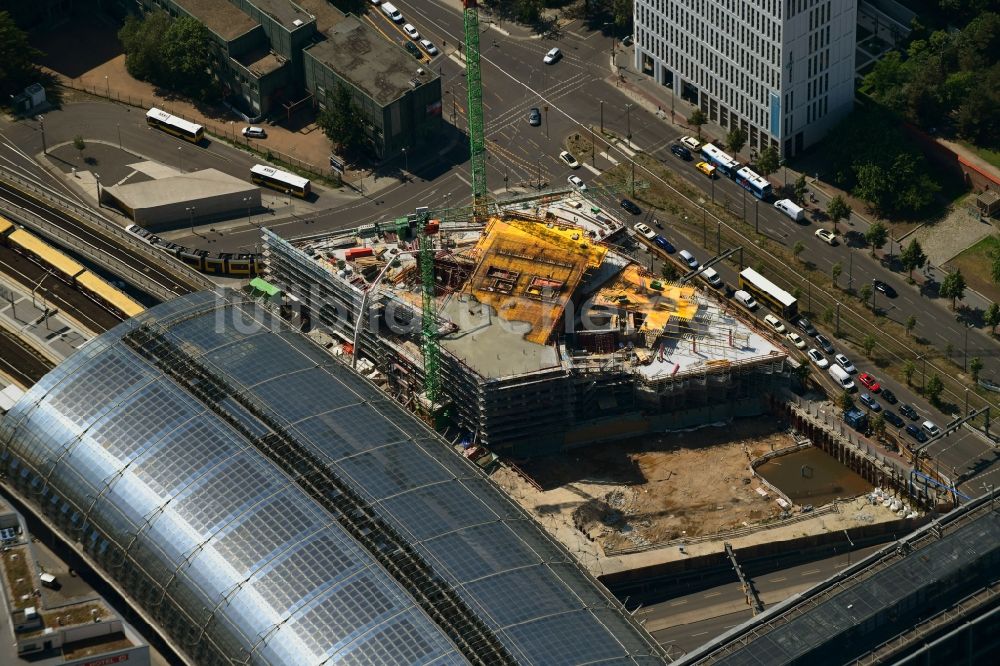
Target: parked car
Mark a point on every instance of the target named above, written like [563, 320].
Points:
[845, 363]
[645, 231]
[774, 323]
[429, 47]
[628, 205]
[869, 382]
[414, 51]
[908, 411]
[931, 428]
[816, 357]
[577, 182]
[889, 396]
[411, 31]
[884, 288]
[534, 117]
[568, 158]
[796, 340]
[254, 132]
[870, 402]
[681, 152]
[824, 344]
[826, 236]
[745, 298]
[916, 433]
[664, 244]
[892, 418]
[552, 56]
[805, 326]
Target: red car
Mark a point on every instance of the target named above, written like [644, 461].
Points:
[870, 382]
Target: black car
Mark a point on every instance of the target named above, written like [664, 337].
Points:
[534, 117]
[414, 51]
[889, 396]
[805, 325]
[884, 288]
[681, 152]
[908, 412]
[631, 207]
[824, 344]
[892, 418]
[916, 433]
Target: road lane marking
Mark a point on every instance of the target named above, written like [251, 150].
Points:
[712, 594]
[811, 571]
[700, 633]
[678, 603]
[776, 580]
[593, 170]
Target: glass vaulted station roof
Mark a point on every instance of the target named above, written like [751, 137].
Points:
[264, 504]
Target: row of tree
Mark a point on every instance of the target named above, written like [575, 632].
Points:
[946, 80]
[176, 54]
[17, 58]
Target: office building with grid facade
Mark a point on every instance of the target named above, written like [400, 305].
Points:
[783, 70]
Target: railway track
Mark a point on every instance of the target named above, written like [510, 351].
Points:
[21, 363]
[120, 252]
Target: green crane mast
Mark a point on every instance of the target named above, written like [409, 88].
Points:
[474, 85]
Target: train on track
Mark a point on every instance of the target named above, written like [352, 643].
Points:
[223, 263]
[67, 269]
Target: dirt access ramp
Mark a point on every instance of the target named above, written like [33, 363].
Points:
[653, 489]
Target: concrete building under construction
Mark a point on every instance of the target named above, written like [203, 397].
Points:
[549, 336]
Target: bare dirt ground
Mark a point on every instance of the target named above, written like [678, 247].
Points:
[653, 489]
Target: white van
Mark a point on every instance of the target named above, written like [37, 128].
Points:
[786, 206]
[745, 299]
[842, 377]
[710, 276]
[688, 259]
[394, 14]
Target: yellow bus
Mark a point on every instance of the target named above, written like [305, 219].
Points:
[280, 180]
[162, 120]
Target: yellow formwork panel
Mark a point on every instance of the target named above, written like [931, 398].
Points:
[636, 290]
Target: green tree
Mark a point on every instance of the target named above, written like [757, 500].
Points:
[736, 139]
[837, 210]
[908, 369]
[17, 57]
[865, 293]
[877, 235]
[341, 121]
[798, 248]
[975, 367]
[697, 118]
[995, 266]
[79, 144]
[913, 256]
[186, 60]
[801, 372]
[768, 161]
[910, 324]
[845, 401]
[934, 389]
[835, 272]
[669, 271]
[142, 41]
[800, 188]
[953, 287]
[992, 317]
[868, 344]
[878, 425]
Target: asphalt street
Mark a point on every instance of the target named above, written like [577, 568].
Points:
[577, 91]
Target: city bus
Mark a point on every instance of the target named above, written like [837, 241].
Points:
[280, 180]
[753, 183]
[764, 290]
[173, 125]
[723, 162]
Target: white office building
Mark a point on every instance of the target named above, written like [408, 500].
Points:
[783, 70]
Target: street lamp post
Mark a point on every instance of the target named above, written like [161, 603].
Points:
[965, 361]
[406, 165]
[97, 179]
[545, 108]
[248, 201]
[505, 181]
[538, 165]
[838, 319]
[602, 115]
[119, 125]
[180, 158]
[190, 211]
[41, 123]
[628, 125]
[107, 86]
[756, 216]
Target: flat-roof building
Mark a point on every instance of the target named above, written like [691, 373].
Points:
[781, 70]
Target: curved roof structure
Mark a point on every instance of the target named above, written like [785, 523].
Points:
[264, 504]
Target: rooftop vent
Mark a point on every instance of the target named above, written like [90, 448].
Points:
[297, 22]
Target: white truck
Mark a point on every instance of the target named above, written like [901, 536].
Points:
[791, 209]
[842, 377]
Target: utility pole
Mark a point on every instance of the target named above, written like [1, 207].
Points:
[628, 125]
[41, 122]
[838, 319]
[602, 116]
[718, 238]
[850, 273]
[756, 216]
